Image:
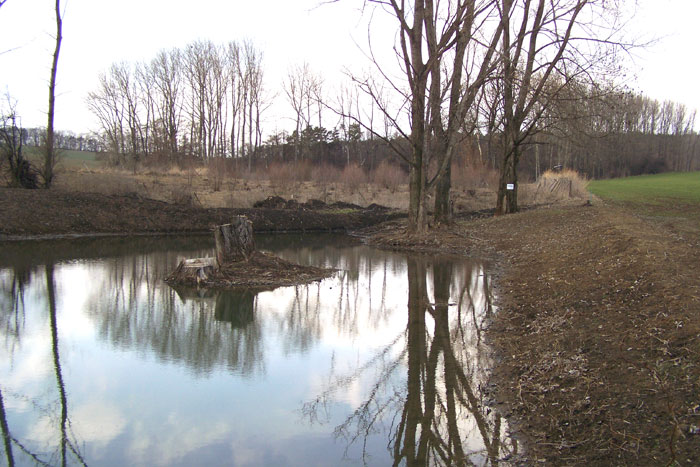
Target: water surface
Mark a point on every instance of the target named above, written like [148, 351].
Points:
[101, 363]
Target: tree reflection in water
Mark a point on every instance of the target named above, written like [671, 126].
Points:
[201, 330]
[67, 449]
[438, 416]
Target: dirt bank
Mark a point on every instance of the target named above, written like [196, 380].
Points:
[598, 331]
[37, 213]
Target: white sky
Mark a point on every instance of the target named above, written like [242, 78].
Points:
[98, 33]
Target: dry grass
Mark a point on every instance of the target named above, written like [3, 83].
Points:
[557, 186]
[221, 184]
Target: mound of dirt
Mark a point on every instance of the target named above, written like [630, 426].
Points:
[262, 270]
[277, 202]
[50, 213]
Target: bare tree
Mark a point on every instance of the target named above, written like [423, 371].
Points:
[298, 89]
[447, 50]
[546, 45]
[166, 75]
[50, 157]
[107, 104]
[20, 170]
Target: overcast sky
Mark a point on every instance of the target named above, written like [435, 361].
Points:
[98, 33]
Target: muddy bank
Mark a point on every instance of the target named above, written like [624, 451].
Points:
[597, 332]
[50, 213]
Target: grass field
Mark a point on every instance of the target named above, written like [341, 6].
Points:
[71, 159]
[673, 199]
[662, 189]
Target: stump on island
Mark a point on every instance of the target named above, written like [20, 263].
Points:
[237, 263]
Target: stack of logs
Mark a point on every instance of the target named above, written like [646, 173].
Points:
[234, 243]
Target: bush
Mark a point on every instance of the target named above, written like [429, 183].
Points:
[389, 176]
[353, 176]
[218, 168]
[473, 176]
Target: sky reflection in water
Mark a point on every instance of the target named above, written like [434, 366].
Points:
[102, 363]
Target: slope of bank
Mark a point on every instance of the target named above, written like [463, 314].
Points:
[45, 213]
[598, 331]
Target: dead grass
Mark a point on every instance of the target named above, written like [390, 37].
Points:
[221, 185]
[563, 184]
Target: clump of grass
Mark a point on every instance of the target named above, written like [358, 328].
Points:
[564, 183]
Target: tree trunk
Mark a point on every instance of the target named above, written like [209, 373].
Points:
[234, 241]
[193, 271]
[443, 202]
[50, 157]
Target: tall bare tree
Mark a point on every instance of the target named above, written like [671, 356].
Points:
[546, 45]
[447, 51]
[50, 157]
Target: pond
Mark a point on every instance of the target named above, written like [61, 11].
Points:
[102, 363]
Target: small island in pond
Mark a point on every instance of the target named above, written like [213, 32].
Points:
[239, 264]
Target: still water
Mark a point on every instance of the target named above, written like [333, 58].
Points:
[102, 363]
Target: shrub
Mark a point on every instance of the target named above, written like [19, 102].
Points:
[353, 176]
[218, 168]
[474, 176]
[389, 176]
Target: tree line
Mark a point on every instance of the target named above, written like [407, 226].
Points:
[202, 101]
[206, 101]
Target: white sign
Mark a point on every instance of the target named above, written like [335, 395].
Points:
[510, 186]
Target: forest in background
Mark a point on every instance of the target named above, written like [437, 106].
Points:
[598, 133]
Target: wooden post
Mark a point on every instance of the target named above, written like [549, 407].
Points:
[234, 241]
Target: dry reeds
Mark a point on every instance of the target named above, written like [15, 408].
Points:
[562, 184]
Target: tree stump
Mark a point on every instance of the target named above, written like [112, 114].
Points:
[234, 241]
[193, 271]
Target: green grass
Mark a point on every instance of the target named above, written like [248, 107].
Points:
[66, 157]
[672, 199]
[663, 189]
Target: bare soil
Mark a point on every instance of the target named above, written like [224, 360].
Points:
[50, 213]
[598, 331]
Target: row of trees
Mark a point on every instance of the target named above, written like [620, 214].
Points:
[605, 133]
[205, 100]
[66, 140]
